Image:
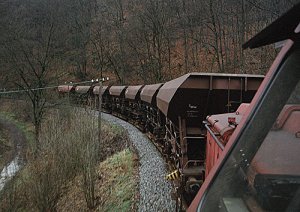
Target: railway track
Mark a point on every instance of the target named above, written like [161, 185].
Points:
[153, 188]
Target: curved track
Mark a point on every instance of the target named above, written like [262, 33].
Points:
[155, 191]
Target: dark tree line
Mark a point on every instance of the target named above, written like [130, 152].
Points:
[152, 40]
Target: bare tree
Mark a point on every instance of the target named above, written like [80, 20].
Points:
[31, 48]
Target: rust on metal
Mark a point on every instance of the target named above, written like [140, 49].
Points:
[133, 92]
[149, 92]
[117, 90]
[97, 88]
[220, 131]
[188, 95]
[220, 121]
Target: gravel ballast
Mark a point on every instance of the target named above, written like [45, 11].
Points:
[155, 191]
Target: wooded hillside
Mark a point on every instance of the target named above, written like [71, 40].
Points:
[132, 41]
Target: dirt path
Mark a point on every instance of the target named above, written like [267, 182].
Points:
[11, 157]
[16, 136]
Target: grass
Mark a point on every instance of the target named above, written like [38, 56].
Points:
[116, 186]
[119, 177]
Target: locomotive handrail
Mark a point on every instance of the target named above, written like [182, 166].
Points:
[219, 143]
[192, 161]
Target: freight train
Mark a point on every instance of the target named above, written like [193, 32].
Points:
[234, 161]
[171, 114]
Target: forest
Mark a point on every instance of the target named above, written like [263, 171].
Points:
[47, 42]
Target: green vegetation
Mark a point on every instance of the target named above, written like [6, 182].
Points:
[120, 179]
[116, 186]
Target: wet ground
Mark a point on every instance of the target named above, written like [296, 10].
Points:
[11, 156]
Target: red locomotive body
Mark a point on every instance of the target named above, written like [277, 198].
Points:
[219, 129]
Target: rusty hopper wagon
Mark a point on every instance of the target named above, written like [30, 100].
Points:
[84, 94]
[185, 102]
[154, 124]
[106, 100]
[67, 92]
[219, 129]
[133, 104]
[66, 88]
[118, 103]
